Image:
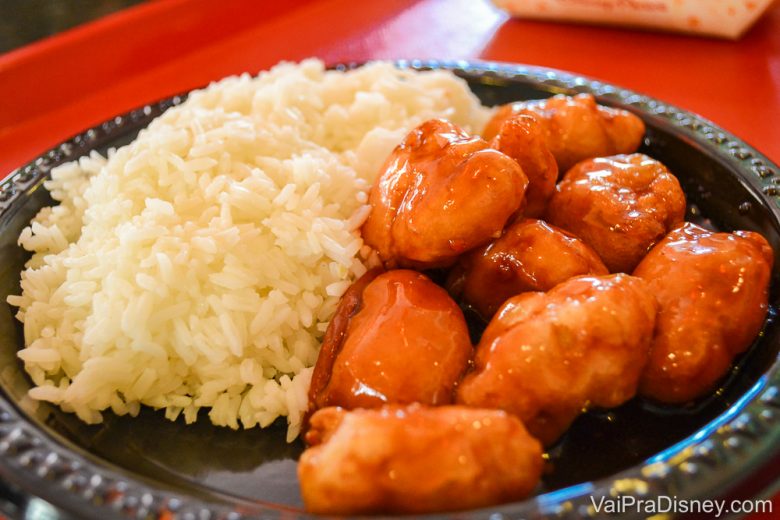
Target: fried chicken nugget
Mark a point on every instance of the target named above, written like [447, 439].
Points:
[522, 138]
[441, 192]
[397, 337]
[546, 357]
[416, 459]
[713, 290]
[620, 206]
[576, 127]
[531, 255]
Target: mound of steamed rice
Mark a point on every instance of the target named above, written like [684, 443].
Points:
[198, 266]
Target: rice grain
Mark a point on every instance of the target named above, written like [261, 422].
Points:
[198, 266]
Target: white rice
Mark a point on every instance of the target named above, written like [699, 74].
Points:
[198, 266]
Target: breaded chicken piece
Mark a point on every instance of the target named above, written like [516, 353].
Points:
[522, 138]
[620, 206]
[441, 192]
[576, 127]
[416, 459]
[396, 338]
[712, 289]
[531, 255]
[547, 357]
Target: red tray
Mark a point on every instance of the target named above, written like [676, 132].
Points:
[58, 86]
[54, 88]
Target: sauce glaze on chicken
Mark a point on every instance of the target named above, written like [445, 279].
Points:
[564, 336]
[576, 128]
[546, 357]
[416, 459]
[620, 206]
[397, 337]
[441, 193]
[713, 290]
[522, 138]
[531, 255]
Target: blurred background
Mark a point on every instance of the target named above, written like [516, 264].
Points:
[104, 57]
[25, 21]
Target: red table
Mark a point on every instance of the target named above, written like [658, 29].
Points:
[52, 89]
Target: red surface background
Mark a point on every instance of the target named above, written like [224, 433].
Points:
[54, 88]
[57, 87]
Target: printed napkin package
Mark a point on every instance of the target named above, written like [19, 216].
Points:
[722, 18]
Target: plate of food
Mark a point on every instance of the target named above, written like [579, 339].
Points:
[388, 288]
